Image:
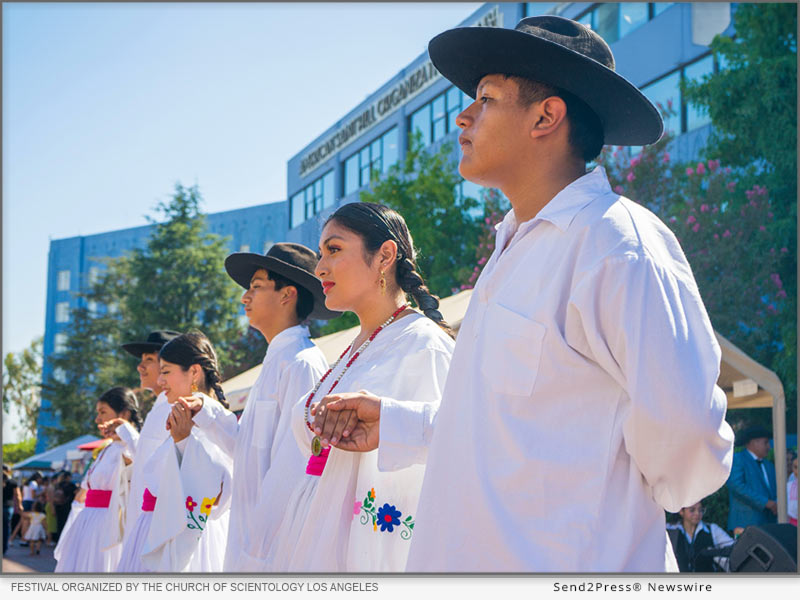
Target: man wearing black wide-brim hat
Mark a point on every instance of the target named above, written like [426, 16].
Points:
[581, 400]
[752, 488]
[154, 430]
[281, 293]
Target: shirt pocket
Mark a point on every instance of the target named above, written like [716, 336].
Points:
[512, 351]
[265, 421]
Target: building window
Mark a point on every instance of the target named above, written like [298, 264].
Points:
[312, 199]
[666, 92]
[695, 116]
[62, 312]
[614, 20]
[374, 158]
[437, 118]
[94, 274]
[63, 280]
[244, 248]
[60, 343]
[535, 9]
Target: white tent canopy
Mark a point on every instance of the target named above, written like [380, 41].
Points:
[746, 383]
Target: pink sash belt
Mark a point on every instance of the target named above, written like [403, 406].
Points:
[98, 498]
[148, 501]
[316, 464]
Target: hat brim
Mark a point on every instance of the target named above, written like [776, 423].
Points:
[242, 265]
[467, 54]
[139, 348]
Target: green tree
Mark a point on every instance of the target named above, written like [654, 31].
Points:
[14, 453]
[422, 188]
[752, 103]
[176, 281]
[22, 376]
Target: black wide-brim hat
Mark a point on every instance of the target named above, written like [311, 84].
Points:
[295, 262]
[744, 436]
[558, 52]
[153, 344]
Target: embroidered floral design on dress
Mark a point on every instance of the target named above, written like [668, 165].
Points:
[195, 523]
[387, 516]
[206, 505]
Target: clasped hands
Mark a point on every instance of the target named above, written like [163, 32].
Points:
[349, 421]
[179, 422]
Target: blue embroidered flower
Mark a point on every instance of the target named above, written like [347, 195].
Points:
[388, 517]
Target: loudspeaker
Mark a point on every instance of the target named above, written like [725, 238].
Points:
[771, 547]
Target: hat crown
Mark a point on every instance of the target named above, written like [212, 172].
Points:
[294, 254]
[569, 34]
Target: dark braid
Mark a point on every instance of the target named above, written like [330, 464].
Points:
[194, 348]
[376, 223]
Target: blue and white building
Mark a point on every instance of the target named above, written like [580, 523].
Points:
[656, 45]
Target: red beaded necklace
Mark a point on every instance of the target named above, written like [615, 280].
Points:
[316, 443]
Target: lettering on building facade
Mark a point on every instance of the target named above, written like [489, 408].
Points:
[409, 87]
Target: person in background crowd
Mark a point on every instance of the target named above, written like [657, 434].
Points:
[92, 544]
[752, 488]
[51, 521]
[282, 292]
[36, 533]
[791, 493]
[691, 536]
[65, 495]
[154, 431]
[12, 504]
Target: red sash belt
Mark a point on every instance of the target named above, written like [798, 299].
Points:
[148, 501]
[316, 464]
[98, 498]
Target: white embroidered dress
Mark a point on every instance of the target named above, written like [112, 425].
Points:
[266, 462]
[179, 534]
[353, 517]
[92, 544]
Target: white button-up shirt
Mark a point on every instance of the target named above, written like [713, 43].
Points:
[266, 460]
[581, 399]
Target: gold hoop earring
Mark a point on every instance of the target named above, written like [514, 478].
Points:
[383, 283]
[194, 387]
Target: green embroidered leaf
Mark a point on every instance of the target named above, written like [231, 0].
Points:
[411, 525]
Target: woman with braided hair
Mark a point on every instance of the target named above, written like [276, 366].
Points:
[184, 520]
[346, 514]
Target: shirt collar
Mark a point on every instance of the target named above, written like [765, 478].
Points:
[701, 526]
[567, 203]
[755, 458]
[285, 337]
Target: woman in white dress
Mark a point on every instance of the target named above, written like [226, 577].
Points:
[346, 515]
[92, 544]
[183, 524]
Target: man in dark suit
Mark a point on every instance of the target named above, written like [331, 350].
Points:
[751, 486]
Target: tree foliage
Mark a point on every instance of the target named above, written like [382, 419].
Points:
[177, 281]
[752, 103]
[22, 376]
[14, 453]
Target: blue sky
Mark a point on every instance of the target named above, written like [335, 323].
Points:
[106, 106]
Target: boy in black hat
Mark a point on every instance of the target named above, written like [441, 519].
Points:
[752, 487]
[581, 400]
[281, 293]
[154, 430]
